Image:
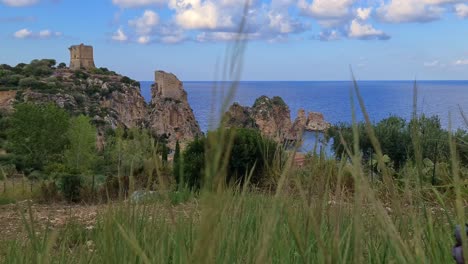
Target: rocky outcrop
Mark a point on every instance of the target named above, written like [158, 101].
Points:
[107, 100]
[270, 115]
[316, 122]
[7, 98]
[240, 116]
[170, 114]
[110, 99]
[300, 123]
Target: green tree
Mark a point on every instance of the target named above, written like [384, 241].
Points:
[37, 134]
[80, 156]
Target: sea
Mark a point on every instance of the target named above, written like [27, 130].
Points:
[334, 99]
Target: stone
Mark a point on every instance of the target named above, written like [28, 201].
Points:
[81, 57]
[316, 122]
[239, 116]
[170, 115]
[269, 115]
[272, 117]
[7, 98]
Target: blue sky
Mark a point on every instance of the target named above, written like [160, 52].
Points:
[288, 39]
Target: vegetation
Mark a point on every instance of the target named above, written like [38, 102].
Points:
[240, 197]
[37, 135]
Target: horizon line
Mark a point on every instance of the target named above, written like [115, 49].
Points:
[427, 80]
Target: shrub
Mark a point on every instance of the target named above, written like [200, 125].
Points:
[62, 65]
[39, 68]
[193, 163]
[80, 75]
[28, 82]
[250, 153]
[70, 185]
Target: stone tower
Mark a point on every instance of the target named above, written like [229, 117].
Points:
[81, 56]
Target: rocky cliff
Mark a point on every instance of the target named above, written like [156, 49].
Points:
[170, 114]
[110, 99]
[273, 118]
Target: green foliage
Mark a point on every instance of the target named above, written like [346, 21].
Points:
[38, 134]
[177, 164]
[80, 156]
[70, 186]
[62, 65]
[39, 68]
[81, 75]
[396, 137]
[194, 163]
[250, 153]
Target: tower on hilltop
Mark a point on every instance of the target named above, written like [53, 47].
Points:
[81, 56]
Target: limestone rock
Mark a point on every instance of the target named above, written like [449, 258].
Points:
[270, 115]
[170, 114]
[239, 116]
[273, 118]
[7, 98]
[316, 122]
[300, 123]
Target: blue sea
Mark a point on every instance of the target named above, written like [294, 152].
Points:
[333, 99]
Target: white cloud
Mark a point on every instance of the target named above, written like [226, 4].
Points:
[199, 14]
[363, 13]
[281, 22]
[461, 62]
[403, 11]
[329, 13]
[23, 33]
[145, 24]
[143, 39]
[136, 3]
[360, 30]
[19, 3]
[120, 36]
[461, 10]
[43, 34]
[431, 63]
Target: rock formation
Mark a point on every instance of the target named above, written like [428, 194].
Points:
[272, 117]
[170, 114]
[240, 116]
[7, 98]
[316, 122]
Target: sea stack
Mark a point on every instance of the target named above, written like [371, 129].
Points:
[170, 113]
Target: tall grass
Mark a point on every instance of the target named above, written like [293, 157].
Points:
[326, 212]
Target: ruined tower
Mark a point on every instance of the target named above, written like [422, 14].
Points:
[81, 56]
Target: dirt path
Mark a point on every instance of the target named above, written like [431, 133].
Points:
[12, 217]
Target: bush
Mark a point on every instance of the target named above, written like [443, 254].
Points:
[70, 186]
[80, 75]
[62, 65]
[396, 137]
[250, 153]
[39, 68]
[193, 163]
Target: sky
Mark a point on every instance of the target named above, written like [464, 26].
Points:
[287, 40]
